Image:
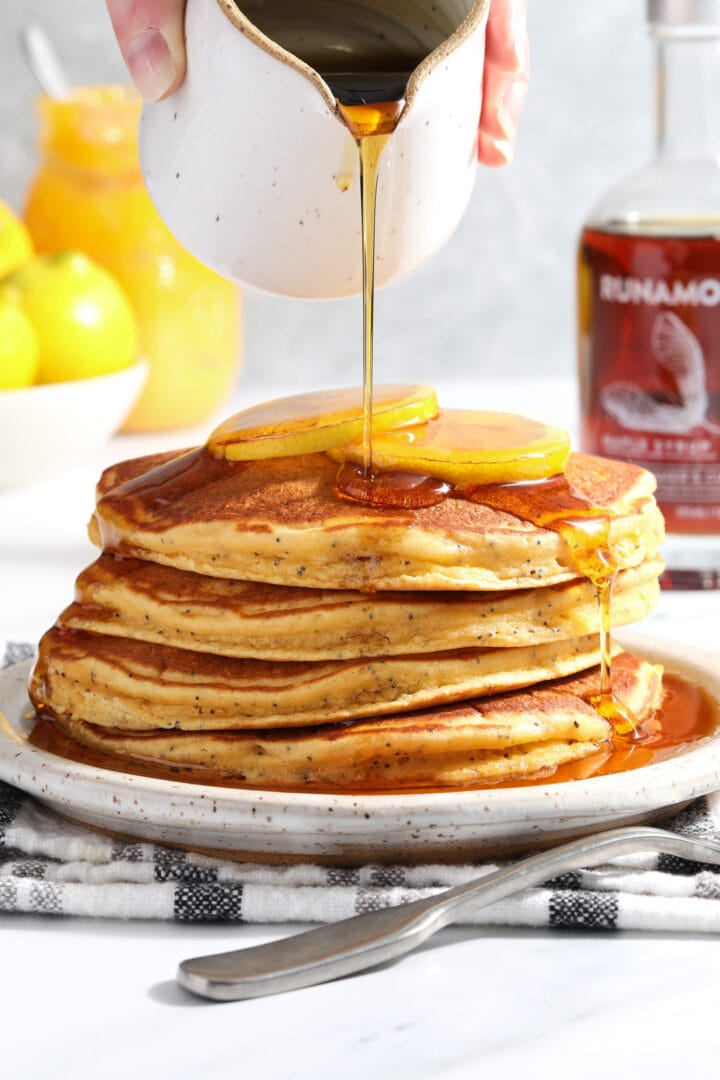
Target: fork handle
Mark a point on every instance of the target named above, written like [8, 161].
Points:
[364, 941]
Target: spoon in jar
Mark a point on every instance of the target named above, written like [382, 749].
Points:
[43, 61]
[364, 941]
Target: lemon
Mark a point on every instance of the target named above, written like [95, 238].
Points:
[19, 350]
[15, 243]
[310, 423]
[83, 320]
[469, 446]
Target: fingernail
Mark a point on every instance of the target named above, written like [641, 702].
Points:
[151, 63]
[511, 107]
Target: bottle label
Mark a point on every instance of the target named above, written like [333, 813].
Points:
[627, 290]
[650, 364]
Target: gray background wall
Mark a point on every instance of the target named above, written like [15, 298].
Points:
[500, 297]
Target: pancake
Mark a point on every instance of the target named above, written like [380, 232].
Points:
[507, 738]
[121, 683]
[160, 604]
[280, 521]
[246, 622]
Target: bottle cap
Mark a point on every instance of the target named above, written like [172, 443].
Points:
[684, 14]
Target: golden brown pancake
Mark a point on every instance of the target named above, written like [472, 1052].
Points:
[280, 521]
[122, 683]
[160, 604]
[511, 737]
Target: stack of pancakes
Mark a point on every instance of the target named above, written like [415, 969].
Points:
[248, 625]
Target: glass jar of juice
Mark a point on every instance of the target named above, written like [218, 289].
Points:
[89, 195]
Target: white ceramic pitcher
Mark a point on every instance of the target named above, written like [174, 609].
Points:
[243, 161]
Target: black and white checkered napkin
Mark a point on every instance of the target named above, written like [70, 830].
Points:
[51, 867]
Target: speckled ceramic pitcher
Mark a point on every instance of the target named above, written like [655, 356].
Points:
[255, 172]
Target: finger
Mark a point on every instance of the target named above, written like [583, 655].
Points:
[505, 80]
[152, 40]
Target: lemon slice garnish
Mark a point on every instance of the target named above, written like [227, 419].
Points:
[310, 423]
[468, 446]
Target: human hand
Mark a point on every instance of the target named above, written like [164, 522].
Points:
[151, 35]
[151, 38]
[505, 80]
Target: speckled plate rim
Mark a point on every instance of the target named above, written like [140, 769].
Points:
[267, 823]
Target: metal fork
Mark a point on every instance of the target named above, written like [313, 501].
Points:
[364, 941]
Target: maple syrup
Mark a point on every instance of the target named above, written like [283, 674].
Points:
[686, 715]
[365, 50]
[371, 126]
[366, 53]
[649, 316]
[649, 298]
[556, 504]
[390, 487]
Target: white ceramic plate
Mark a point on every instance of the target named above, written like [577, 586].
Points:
[355, 829]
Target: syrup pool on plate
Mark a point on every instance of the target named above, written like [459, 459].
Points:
[687, 715]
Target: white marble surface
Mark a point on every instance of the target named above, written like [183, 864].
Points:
[84, 1000]
[97, 999]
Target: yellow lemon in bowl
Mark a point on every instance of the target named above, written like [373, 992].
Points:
[19, 349]
[84, 322]
[15, 243]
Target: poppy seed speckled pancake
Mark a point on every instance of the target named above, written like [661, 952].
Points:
[506, 738]
[120, 682]
[160, 604]
[280, 521]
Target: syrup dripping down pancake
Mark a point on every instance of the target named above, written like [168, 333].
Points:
[499, 739]
[280, 521]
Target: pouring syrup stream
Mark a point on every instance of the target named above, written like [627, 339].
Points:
[371, 127]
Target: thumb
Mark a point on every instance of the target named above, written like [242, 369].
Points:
[152, 40]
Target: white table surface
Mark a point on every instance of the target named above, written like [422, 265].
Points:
[82, 998]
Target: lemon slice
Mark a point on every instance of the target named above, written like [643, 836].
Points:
[310, 423]
[468, 446]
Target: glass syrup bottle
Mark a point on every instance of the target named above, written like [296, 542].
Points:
[649, 298]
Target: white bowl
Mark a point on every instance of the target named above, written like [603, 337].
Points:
[44, 428]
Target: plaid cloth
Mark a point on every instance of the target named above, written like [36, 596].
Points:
[51, 867]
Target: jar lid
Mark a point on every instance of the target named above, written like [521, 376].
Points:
[684, 14]
[94, 127]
